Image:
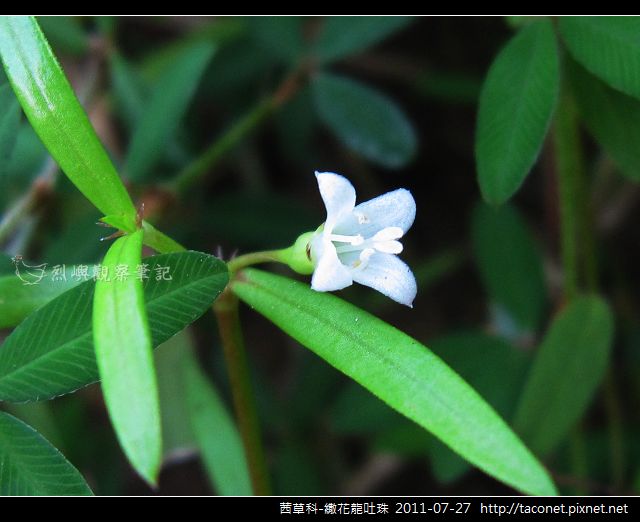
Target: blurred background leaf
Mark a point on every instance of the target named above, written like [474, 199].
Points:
[607, 46]
[612, 117]
[562, 381]
[365, 120]
[9, 125]
[515, 109]
[167, 104]
[65, 34]
[342, 36]
[510, 264]
[218, 439]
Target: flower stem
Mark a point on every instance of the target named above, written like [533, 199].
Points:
[226, 311]
[255, 258]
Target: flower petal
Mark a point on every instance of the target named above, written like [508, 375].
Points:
[338, 195]
[393, 209]
[390, 276]
[329, 274]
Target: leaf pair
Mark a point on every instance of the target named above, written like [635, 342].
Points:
[51, 352]
[521, 89]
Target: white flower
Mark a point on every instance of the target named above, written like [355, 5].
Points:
[360, 243]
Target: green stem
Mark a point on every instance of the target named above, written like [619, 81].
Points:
[578, 244]
[578, 452]
[39, 190]
[255, 258]
[569, 168]
[210, 157]
[241, 128]
[159, 241]
[616, 431]
[226, 310]
[575, 235]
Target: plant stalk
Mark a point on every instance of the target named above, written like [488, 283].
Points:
[227, 315]
[238, 130]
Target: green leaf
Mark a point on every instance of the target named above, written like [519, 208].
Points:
[56, 115]
[122, 343]
[357, 412]
[167, 105]
[400, 371]
[221, 31]
[216, 434]
[177, 435]
[64, 33]
[41, 416]
[21, 295]
[510, 264]
[516, 105]
[160, 241]
[365, 120]
[30, 465]
[6, 265]
[129, 90]
[28, 155]
[612, 117]
[51, 352]
[9, 125]
[345, 35]
[608, 46]
[482, 361]
[569, 366]
[281, 36]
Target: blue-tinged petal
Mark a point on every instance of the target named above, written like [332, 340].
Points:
[329, 274]
[390, 276]
[393, 209]
[338, 195]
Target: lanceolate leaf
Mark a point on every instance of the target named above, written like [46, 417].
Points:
[51, 352]
[365, 120]
[516, 106]
[482, 361]
[400, 371]
[122, 343]
[612, 117]
[608, 46]
[30, 465]
[165, 109]
[56, 115]
[218, 438]
[568, 369]
[345, 35]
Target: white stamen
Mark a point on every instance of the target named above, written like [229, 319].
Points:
[353, 240]
[363, 261]
[388, 247]
[388, 234]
